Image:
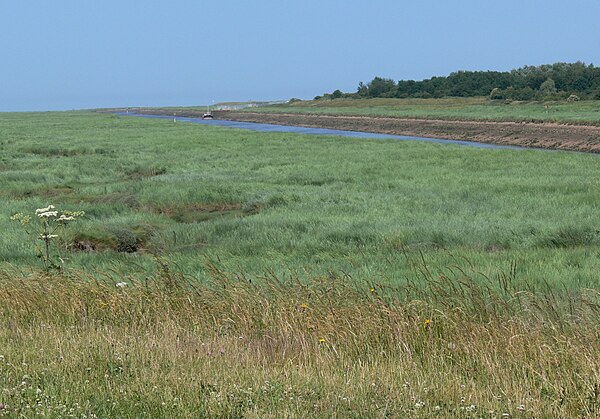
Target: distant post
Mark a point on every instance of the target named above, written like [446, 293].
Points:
[174, 120]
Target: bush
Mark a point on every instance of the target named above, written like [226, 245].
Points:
[548, 87]
[496, 94]
[526, 93]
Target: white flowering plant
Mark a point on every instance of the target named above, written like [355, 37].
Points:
[46, 227]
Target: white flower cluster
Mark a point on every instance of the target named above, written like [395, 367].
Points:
[42, 210]
[63, 218]
[49, 222]
[46, 236]
[69, 216]
[46, 212]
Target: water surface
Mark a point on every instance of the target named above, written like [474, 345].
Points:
[255, 126]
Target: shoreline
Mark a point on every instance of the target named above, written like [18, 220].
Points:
[551, 135]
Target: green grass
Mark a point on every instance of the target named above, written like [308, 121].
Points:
[281, 275]
[255, 202]
[584, 112]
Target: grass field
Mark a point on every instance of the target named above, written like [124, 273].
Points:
[254, 202]
[583, 112]
[274, 274]
[172, 347]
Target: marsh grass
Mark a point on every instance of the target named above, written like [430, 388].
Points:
[223, 273]
[585, 112]
[272, 201]
[451, 344]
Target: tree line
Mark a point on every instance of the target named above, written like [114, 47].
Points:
[572, 81]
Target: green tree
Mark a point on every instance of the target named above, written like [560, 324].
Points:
[548, 87]
[380, 87]
[337, 94]
[362, 89]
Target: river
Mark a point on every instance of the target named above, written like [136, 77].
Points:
[253, 126]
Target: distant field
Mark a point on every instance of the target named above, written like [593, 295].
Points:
[583, 112]
[281, 275]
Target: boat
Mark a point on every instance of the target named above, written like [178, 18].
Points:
[207, 114]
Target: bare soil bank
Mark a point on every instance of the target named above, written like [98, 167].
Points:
[527, 134]
[539, 135]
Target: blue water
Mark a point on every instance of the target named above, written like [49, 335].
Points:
[254, 126]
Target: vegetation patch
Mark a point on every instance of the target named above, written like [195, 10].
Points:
[307, 179]
[127, 199]
[171, 346]
[571, 237]
[325, 203]
[196, 213]
[143, 171]
[58, 191]
[567, 81]
[55, 193]
[46, 151]
[123, 239]
[358, 236]
[448, 109]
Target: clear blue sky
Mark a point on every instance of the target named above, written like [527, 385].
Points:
[71, 54]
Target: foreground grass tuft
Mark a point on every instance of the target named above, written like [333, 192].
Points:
[454, 344]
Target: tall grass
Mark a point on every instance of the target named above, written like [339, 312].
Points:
[260, 201]
[450, 345]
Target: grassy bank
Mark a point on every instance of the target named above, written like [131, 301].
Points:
[448, 346]
[583, 112]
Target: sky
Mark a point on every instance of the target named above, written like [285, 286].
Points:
[77, 54]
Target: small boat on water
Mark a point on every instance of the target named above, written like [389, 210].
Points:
[207, 114]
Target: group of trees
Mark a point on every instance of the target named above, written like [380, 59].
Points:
[549, 81]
